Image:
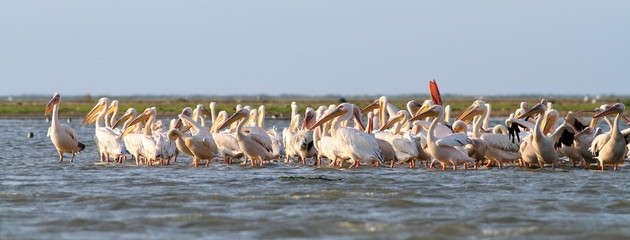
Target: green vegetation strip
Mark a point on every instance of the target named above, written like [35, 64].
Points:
[311, 178]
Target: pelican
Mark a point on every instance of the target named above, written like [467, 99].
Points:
[443, 149]
[387, 150]
[498, 147]
[227, 144]
[404, 144]
[302, 140]
[350, 143]
[581, 140]
[542, 146]
[252, 144]
[478, 148]
[151, 148]
[202, 146]
[109, 144]
[65, 139]
[133, 140]
[179, 142]
[610, 148]
[288, 133]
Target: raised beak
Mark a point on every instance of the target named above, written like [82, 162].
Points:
[335, 113]
[536, 109]
[236, 116]
[122, 120]
[370, 107]
[468, 114]
[391, 122]
[91, 116]
[435, 92]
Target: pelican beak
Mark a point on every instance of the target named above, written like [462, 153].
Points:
[91, 116]
[587, 130]
[206, 112]
[615, 109]
[538, 109]
[357, 117]
[51, 103]
[140, 118]
[586, 111]
[468, 114]
[435, 92]
[110, 110]
[335, 113]
[187, 128]
[236, 116]
[370, 107]
[122, 120]
[391, 122]
[424, 112]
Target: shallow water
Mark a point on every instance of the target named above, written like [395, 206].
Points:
[41, 198]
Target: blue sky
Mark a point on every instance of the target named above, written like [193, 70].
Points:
[314, 47]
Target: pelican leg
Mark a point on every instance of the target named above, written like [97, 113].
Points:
[553, 167]
[454, 166]
[500, 164]
[261, 162]
[196, 162]
[60, 156]
[465, 166]
[72, 159]
[616, 166]
[443, 166]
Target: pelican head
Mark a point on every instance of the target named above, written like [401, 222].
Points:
[309, 115]
[238, 115]
[427, 111]
[53, 101]
[340, 110]
[401, 116]
[371, 107]
[586, 131]
[146, 114]
[618, 108]
[130, 113]
[91, 116]
[477, 108]
[539, 108]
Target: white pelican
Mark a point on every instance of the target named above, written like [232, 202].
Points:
[478, 148]
[443, 149]
[545, 147]
[227, 144]
[201, 138]
[387, 150]
[65, 139]
[403, 143]
[498, 147]
[350, 143]
[133, 140]
[302, 140]
[288, 133]
[179, 142]
[610, 148]
[151, 148]
[202, 146]
[109, 144]
[251, 144]
[573, 152]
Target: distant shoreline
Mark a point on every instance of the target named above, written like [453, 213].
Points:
[278, 107]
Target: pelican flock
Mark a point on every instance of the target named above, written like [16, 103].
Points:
[349, 136]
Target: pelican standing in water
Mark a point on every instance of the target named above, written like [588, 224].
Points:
[443, 149]
[109, 144]
[352, 143]
[610, 148]
[252, 144]
[65, 139]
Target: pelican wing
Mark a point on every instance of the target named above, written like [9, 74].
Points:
[360, 140]
[500, 141]
[406, 145]
[71, 132]
[454, 140]
[599, 142]
[626, 134]
[262, 139]
[563, 135]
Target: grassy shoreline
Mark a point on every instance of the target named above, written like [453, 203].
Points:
[280, 107]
